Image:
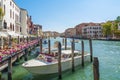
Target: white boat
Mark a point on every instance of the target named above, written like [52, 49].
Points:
[48, 64]
[45, 50]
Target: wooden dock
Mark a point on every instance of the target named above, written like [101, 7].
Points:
[18, 54]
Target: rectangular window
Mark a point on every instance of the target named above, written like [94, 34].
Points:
[5, 25]
[20, 29]
[13, 15]
[10, 3]
[13, 27]
[10, 13]
[16, 18]
[10, 26]
[4, 9]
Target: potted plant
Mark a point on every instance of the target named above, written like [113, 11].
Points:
[1, 16]
[1, 13]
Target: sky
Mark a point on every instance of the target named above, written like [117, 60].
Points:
[58, 15]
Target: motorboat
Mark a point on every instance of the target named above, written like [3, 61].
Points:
[45, 42]
[45, 50]
[48, 63]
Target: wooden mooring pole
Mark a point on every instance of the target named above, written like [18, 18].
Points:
[17, 60]
[10, 68]
[2, 42]
[91, 50]
[23, 39]
[38, 41]
[26, 54]
[82, 43]
[18, 40]
[96, 68]
[72, 46]
[49, 46]
[40, 45]
[59, 61]
[65, 43]
[27, 39]
[0, 75]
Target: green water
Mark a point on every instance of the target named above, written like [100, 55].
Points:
[108, 53]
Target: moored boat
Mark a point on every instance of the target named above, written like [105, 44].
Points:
[48, 63]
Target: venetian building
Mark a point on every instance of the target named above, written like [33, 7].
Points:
[11, 18]
[79, 29]
[23, 20]
[92, 30]
[119, 26]
[70, 32]
[38, 30]
[30, 25]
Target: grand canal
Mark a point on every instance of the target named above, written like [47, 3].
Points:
[108, 53]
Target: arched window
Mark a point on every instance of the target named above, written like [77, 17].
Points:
[13, 15]
[10, 26]
[10, 13]
[5, 24]
[20, 29]
[13, 27]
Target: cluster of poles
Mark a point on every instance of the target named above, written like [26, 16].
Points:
[94, 60]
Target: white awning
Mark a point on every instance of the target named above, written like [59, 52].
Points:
[13, 34]
[4, 34]
[16, 34]
[25, 36]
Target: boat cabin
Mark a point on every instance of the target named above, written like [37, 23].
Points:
[65, 54]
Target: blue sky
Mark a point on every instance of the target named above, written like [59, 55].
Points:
[58, 15]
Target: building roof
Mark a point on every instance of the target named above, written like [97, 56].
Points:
[37, 25]
[16, 4]
[88, 24]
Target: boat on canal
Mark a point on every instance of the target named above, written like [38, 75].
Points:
[48, 63]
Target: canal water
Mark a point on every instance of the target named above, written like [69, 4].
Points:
[108, 53]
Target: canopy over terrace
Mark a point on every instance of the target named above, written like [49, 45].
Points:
[25, 36]
[4, 34]
[14, 35]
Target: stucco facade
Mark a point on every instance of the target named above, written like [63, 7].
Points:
[92, 31]
[23, 21]
[11, 19]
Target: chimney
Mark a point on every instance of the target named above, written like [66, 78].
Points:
[30, 17]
